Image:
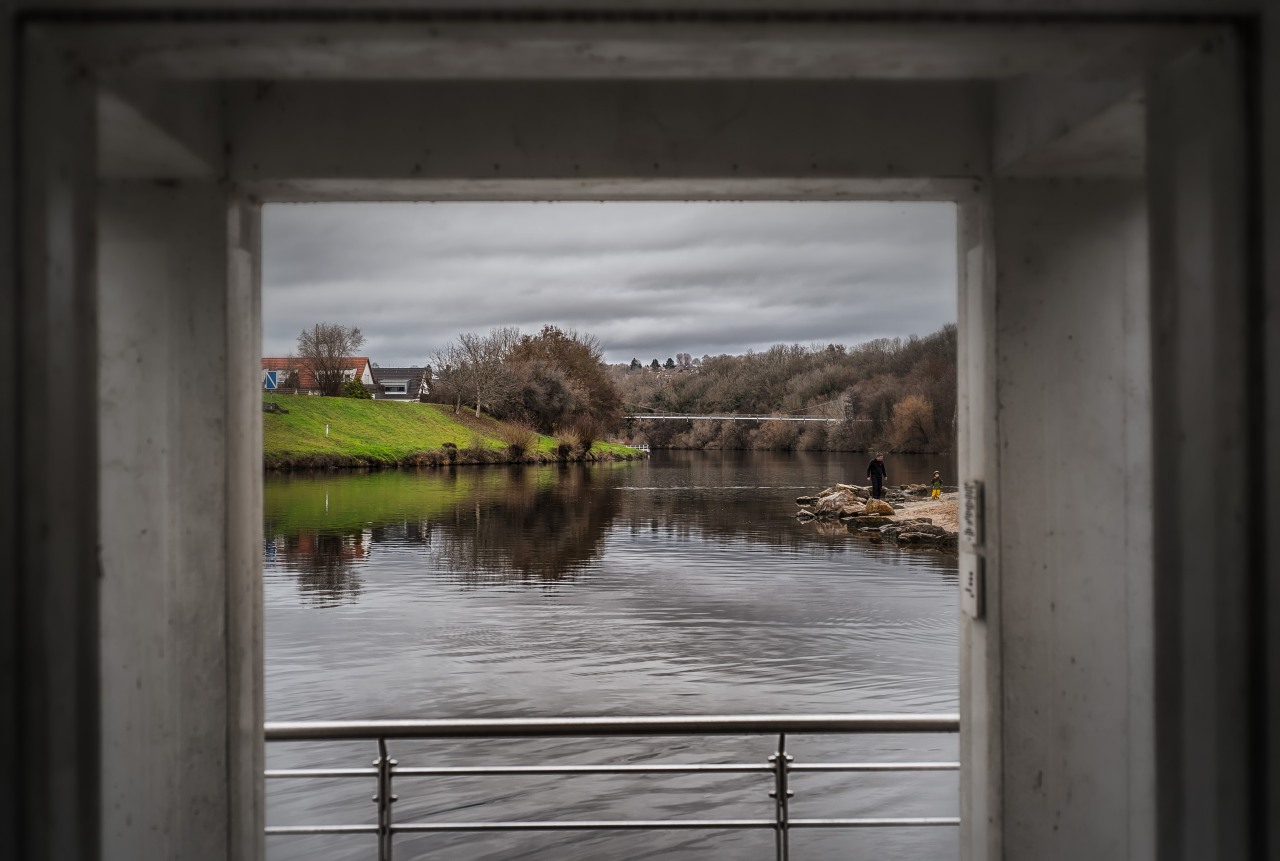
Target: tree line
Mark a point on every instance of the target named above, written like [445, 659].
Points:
[890, 393]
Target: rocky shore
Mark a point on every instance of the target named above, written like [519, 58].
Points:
[907, 516]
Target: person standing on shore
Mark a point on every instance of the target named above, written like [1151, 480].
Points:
[877, 475]
[937, 484]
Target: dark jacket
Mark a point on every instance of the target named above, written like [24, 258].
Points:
[876, 469]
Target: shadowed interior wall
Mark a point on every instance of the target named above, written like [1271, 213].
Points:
[179, 598]
[1076, 573]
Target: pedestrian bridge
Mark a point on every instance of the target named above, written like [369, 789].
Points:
[735, 417]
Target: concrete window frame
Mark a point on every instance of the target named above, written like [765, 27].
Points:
[1206, 289]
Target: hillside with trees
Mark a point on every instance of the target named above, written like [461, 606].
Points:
[894, 394]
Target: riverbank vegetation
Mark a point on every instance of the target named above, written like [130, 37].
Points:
[554, 381]
[392, 433]
[888, 394]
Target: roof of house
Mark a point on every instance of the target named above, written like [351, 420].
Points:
[307, 380]
[380, 374]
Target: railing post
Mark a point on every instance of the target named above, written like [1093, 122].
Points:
[385, 798]
[781, 827]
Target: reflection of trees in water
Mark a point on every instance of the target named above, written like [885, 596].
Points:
[532, 531]
[523, 528]
[534, 523]
[683, 515]
[324, 563]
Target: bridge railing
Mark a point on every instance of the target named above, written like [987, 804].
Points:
[736, 417]
[777, 769]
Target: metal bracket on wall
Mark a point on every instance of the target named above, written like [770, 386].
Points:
[972, 561]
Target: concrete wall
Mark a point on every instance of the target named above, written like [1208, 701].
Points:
[11, 630]
[1208, 304]
[979, 459]
[1269, 212]
[307, 140]
[180, 595]
[51, 638]
[1074, 489]
[1059, 744]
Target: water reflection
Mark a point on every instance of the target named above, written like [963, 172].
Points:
[535, 530]
[520, 524]
[488, 526]
[324, 563]
[681, 585]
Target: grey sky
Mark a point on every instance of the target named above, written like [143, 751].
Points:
[648, 279]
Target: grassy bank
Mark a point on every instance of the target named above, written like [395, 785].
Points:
[388, 433]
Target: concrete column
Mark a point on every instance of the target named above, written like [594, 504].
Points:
[1210, 442]
[49, 507]
[11, 695]
[1072, 585]
[247, 796]
[181, 599]
[977, 446]
[1269, 156]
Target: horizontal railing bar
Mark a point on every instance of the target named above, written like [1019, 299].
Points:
[586, 825]
[900, 822]
[281, 830]
[320, 772]
[671, 824]
[875, 766]
[694, 768]
[618, 726]
[613, 825]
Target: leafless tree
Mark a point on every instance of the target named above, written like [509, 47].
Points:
[325, 349]
[472, 367]
[912, 419]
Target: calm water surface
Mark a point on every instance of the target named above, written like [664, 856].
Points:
[678, 585]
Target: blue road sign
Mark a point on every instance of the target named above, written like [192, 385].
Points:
[269, 380]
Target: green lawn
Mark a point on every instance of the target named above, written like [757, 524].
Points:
[382, 432]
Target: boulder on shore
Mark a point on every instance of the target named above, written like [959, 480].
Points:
[832, 504]
[878, 506]
[869, 522]
[924, 528]
[845, 508]
[916, 538]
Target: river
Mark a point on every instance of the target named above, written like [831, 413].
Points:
[677, 585]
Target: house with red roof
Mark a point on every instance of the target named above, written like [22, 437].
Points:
[291, 374]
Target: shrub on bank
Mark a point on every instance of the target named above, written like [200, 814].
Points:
[520, 439]
[355, 389]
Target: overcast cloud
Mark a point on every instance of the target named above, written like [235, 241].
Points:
[648, 279]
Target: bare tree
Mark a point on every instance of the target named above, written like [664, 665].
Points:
[912, 420]
[326, 349]
[473, 367]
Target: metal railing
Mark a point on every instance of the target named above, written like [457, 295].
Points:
[780, 766]
[738, 417]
